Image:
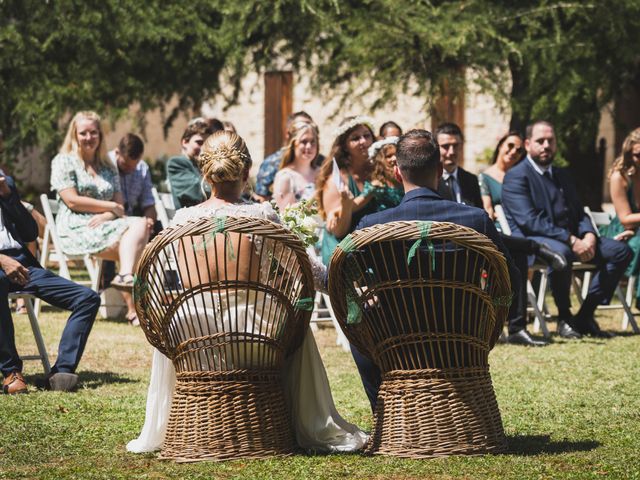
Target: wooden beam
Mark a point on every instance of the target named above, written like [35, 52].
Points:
[278, 105]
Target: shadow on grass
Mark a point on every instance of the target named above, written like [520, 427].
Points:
[88, 379]
[98, 379]
[529, 445]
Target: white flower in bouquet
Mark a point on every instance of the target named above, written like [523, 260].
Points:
[299, 218]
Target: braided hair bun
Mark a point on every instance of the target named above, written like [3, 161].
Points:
[224, 158]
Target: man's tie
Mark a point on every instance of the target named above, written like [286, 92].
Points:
[449, 192]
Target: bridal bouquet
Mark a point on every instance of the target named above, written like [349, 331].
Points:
[300, 219]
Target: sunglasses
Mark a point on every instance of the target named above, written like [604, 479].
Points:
[512, 146]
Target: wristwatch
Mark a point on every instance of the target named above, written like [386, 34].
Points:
[572, 240]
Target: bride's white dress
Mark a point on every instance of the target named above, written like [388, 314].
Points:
[318, 426]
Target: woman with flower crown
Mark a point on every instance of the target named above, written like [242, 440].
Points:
[225, 163]
[387, 191]
[341, 181]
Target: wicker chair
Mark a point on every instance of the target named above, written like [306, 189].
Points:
[227, 300]
[425, 302]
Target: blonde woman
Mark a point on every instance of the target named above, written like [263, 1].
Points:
[225, 163]
[624, 185]
[91, 216]
[296, 178]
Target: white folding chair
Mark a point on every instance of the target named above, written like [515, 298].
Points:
[92, 264]
[35, 328]
[601, 219]
[323, 312]
[536, 302]
[165, 213]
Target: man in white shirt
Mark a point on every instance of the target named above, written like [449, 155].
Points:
[20, 271]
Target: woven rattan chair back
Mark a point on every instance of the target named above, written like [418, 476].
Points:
[426, 302]
[227, 300]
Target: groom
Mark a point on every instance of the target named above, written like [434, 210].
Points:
[419, 169]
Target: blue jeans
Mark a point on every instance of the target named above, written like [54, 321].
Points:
[60, 292]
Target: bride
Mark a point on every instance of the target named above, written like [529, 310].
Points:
[225, 164]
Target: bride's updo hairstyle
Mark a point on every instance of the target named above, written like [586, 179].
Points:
[224, 158]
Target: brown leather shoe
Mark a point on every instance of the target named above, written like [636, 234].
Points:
[14, 383]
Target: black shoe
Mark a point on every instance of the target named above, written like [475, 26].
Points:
[58, 382]
[565, 330]
[552, 258]
[590, 327]
[522, 337]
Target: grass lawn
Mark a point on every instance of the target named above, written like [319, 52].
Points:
[571, 410]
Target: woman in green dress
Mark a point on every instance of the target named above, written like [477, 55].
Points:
[91, 217]
[386, 189]
[508, 152]
[624, 185]
[341, 180]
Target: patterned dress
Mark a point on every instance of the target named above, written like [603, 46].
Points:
[76, 237]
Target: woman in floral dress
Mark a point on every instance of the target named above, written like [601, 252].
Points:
[296, 178]
[91, 216]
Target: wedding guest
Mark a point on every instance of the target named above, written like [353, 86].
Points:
[387, 190]
[341, 180]
[271, 164]
[508, 153]
[225, 163]
[183, 174]
[20, 271]
[419, 167]
[135, 179]
[624, 185]
[137, 189]
[91, 217]
[296, 178]
[456, 183]
[389, 129]
[21, 308]
[541, 203]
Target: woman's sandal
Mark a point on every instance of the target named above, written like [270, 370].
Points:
[123, 282]
[133, 320]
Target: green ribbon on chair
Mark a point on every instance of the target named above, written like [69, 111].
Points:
[219, 227]
[424, 227]
[140, 287]
[354, 313]
[503, 300]
[347, 244]
[305, 304]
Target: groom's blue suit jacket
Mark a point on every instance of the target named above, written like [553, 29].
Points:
[425, 204]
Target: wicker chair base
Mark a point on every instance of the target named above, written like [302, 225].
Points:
[225, 419]
[423, 414]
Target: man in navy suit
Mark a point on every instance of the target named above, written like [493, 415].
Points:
[419, 169]
[20, 271]
[541, 203]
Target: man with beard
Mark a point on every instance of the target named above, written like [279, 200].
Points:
[541, 203]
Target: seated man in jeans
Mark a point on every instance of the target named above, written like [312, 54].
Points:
[20, 271]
